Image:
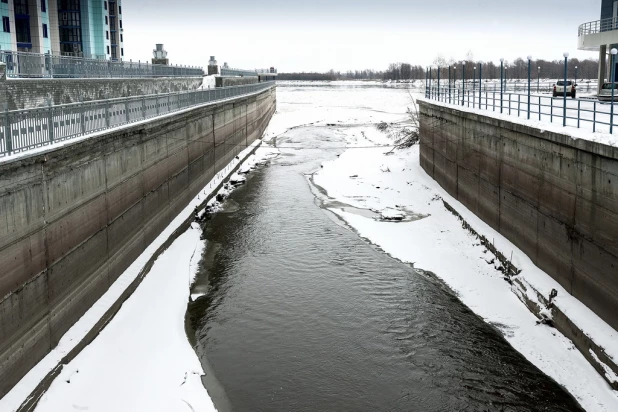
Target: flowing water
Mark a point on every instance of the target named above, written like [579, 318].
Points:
[301, 314]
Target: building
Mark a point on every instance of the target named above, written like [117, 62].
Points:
[601, 36]
[81, 28]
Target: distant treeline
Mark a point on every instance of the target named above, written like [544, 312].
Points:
[518, 69]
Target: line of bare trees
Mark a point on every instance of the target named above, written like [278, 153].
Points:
[517, 69]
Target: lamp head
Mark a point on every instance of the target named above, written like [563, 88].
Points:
[529, 58]
[614, 51]
[566, 54]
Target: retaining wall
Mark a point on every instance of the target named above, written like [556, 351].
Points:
[74, 218]
[554, 197]
[32, 93]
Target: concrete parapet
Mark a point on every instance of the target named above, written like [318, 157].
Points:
[76, 217]
[33, 93]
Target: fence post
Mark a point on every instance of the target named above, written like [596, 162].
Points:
[82, 118]
[594, 117]
[564, 108]
[612, 81]
[50, 120]
[126, 111]
[7, 130]
[108, 115]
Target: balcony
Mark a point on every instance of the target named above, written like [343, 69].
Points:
[594, 34]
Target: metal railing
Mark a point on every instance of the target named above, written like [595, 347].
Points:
[591, 114]
[21, 130]
[33, 65]
[266, 71]
[598, 26]
[228, 71]
[521, 85]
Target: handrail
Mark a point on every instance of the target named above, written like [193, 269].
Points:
[592, 114]
[598, 26]
[22, 130]
[36, 65]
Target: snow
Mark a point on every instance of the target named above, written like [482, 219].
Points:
[209, 82]
[436, 241]
[149, 356]
[142, 360]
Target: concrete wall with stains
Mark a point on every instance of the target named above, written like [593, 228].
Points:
[554, 197]
[74, 218]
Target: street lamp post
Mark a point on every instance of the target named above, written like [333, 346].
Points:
[501, 84]
[455, 84]
[564, 87]
[463, 83]
[473, 86]
[481, 84]
[613, 84]
[438, 83]
[430, 80]
[575, 76]
[529, 66]
[538, 80]
[449, 84]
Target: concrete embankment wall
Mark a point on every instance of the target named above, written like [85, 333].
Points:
[74, 218]
[554, 197]
[32, 93]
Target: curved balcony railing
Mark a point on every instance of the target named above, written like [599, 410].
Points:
[598, 26]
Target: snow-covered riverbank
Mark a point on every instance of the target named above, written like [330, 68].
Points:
[365, 178]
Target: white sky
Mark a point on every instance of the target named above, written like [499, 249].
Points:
[319, 35]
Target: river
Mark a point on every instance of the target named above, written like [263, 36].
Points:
[302, 314]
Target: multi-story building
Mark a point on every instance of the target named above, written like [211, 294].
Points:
[602, 36]
[82, 28]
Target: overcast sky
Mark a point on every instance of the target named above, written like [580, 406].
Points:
[318, 35]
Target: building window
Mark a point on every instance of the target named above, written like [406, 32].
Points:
[122, 52]
[45, 30]
[107, 35]
[107, 49]
[6, 24]
[119, 9]
[121, 39]
[105, 5]
[106, 21]
[121, 24]
[43, 6]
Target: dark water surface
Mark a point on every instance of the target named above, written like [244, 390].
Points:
[301, 314]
